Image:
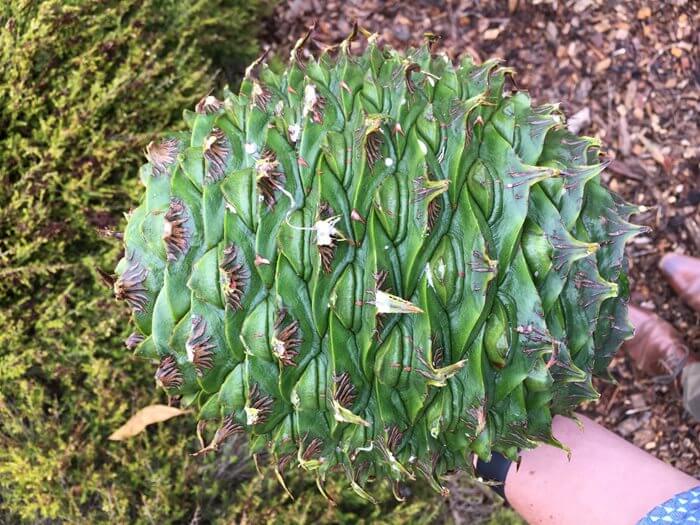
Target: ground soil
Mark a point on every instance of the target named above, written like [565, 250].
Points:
[626, 72]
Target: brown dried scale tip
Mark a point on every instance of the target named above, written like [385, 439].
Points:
[106, 278]
[314, 104]
[217, 151]
[286, 341]
[260, 407]
[373, 146]
[394, 438]
[175, 233]
[283, 462]
[296, 52]
[434, 210]
[325, 211]
[326, 253]
[162, 155]
[438, 352]
[134, 340]
[432, 40]
[261, 96]
[410, 84]
[269, 178]
[130, 286]
[380, 277]
[208, 105]
[229, 427]
[354, 31]
[326, 239]
[313, 449]
[168, 374]
[236, 277]
[199, 346]
[345, 392]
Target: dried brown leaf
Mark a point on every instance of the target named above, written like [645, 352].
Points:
[581, 5]
[144, 417]
[492, 34]
[623, 143]
[656, 153]
[602, 65]
[579, 120]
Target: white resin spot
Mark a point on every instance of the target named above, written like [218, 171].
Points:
[294, 132]
[251, 148]
[441, 270]
[310, 99]
[167, 229]
[278, 347]
[252, 415]
[429, 276]
[326, 230]
[388, 162]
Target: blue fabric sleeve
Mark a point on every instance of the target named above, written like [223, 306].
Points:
[683, 508]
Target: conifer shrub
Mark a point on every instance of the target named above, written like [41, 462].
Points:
[83, 87]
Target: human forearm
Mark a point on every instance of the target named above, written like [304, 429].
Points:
[607, 481]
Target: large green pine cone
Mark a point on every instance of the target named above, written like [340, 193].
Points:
[377, 262]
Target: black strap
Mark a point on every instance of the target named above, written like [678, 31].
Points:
[496, 471]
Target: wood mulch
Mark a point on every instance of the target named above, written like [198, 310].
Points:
[626, 72]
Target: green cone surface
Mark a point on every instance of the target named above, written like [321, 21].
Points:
[377, 262]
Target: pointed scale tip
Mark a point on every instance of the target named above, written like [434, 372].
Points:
[390, 304]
